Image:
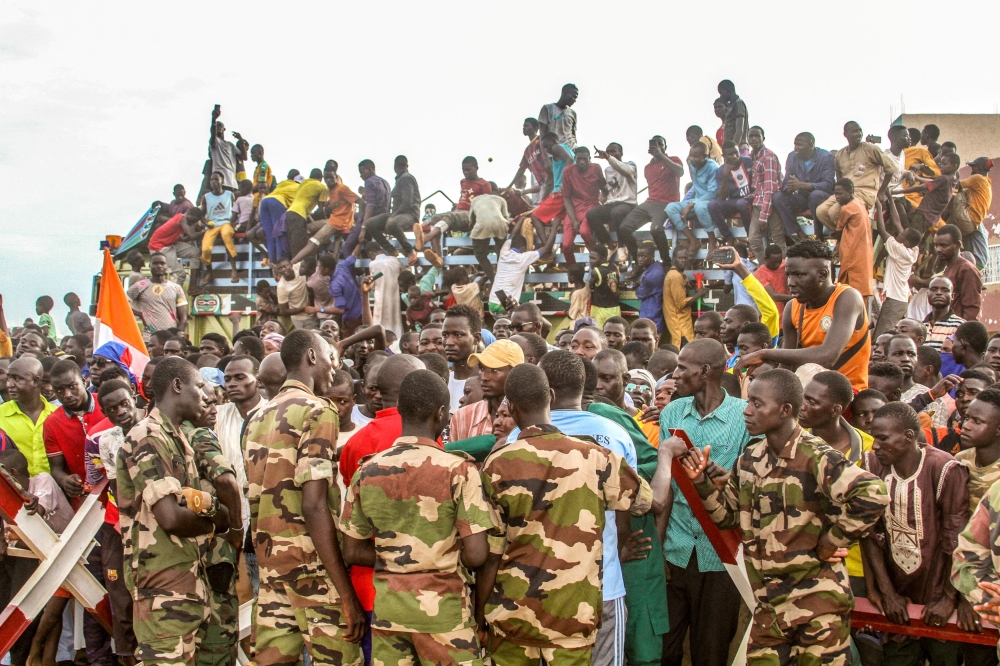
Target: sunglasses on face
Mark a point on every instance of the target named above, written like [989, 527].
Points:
[640, 387]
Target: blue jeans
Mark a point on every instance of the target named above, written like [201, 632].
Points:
[790, 205]
[700, 210]
[976, 244]
[271, 212]
[721, 209]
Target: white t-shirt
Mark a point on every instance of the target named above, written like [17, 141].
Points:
[511, 268]
[243, 207]
[621, 188]
[897, 269]
[358, 418]
[456, 387]
[897, 178]
[386, 311]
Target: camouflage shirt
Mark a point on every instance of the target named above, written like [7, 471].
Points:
[551, 491]
[288, 442]
[782, 504]
[977, 558]
[155, 461]
[418, 502]
[211, 464]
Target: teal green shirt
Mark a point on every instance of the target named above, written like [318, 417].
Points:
[46, 320]
[726, 432]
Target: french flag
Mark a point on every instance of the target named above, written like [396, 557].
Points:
[115, 320]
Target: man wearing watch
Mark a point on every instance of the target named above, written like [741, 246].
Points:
[218, 481]
[163, 539]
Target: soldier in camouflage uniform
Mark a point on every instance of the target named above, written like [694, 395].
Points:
[798, 503]
[157, 479]
[218, 648]
[425, 508]
[541, 588]
[975, 568]
[306, 598]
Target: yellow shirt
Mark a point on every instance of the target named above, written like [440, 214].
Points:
[918, 155]
[263, 179]
[676, 315]
[27, 436]
[6, 347]
[284, 192]
[853, 560]
[979, 191]
[309, 194]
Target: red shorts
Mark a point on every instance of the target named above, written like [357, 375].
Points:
[550, 208]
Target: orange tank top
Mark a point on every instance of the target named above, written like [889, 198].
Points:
[812, 326]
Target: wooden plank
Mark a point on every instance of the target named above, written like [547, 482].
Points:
[867, 616]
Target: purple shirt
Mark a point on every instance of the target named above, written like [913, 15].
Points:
[650, 293]
[377, 194]
[344, 289]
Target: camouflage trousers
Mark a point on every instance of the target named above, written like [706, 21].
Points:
[304, 612]
[825, 639]
[400, 648]
[505, 653]
[218, 647]
[169, 631]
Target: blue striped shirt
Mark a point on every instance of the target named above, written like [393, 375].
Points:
[726, 432]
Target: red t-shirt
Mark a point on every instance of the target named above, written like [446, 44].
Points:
[583, 188]
[377, 436]
[664, 186]
[472, 188]
[775, 279]
[167, 234]
[66, 434]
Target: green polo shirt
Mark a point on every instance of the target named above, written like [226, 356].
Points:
[27, 435]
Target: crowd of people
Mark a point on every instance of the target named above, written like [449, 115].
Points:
[400, 465]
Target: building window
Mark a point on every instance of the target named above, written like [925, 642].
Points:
[992, 273]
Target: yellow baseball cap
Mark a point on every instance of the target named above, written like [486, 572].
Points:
[499, 354]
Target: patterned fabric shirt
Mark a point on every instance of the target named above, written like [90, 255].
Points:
[766, 180]
[290, 441]
[782, 504]
[418, 502]
[155, 461]
[977, 558]
[471, 421]
[939, 331]
[377, 195]
[551, 492]
[725, 431]
[212, 464]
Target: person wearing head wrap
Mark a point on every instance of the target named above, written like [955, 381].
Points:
[272, 343]
[118, 354]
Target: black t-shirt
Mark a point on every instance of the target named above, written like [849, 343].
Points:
[604, 286]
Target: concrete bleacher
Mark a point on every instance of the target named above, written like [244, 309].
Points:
[250, 269]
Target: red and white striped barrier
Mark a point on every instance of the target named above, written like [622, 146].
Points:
[60, 557]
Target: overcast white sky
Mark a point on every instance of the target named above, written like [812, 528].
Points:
[106, 106]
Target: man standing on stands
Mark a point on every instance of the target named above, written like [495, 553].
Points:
[650, 289]
[157, 301]
[298, 220]
[663, 177]
[560, 117]
[735, 122]
[766, 179]
[676, 302]
[404, 216]
[700, 594]
[865, 165]
[966, 280]
[620, 177]
[532, 161]
[290, 449]
[978, 189]
[826, 324]
[224, 155]
[809, 178]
